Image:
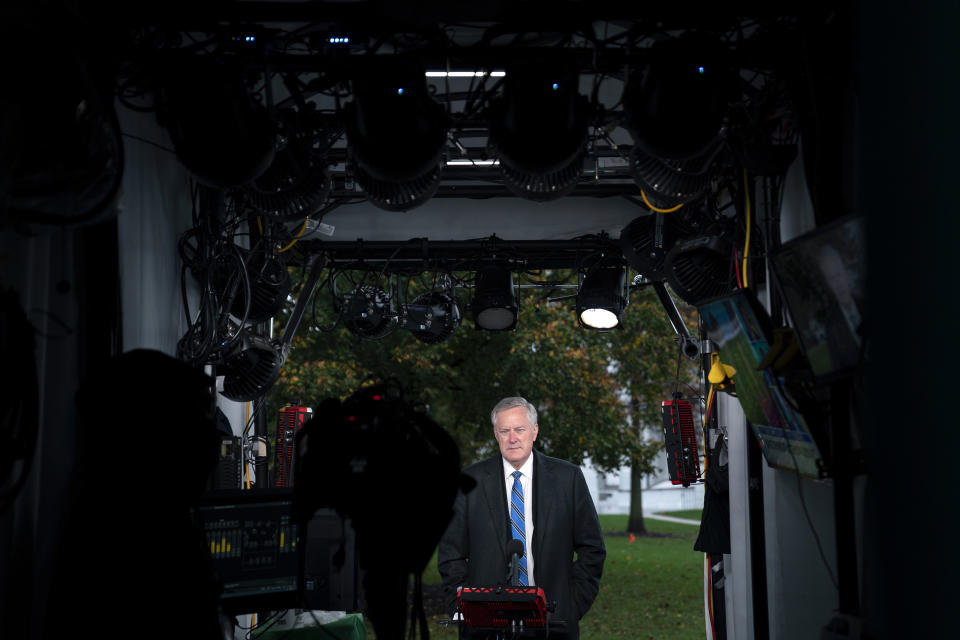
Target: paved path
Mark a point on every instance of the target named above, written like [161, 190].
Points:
[654, 516]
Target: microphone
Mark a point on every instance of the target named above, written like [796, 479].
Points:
[514, 553]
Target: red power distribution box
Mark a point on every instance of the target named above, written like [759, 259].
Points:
[680, 438]
[289, 423]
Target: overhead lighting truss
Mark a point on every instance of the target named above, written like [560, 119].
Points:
[397, 119]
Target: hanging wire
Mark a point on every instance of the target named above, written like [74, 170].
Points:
[806, 513]
[746, 247]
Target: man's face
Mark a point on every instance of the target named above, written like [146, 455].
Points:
[515, 435]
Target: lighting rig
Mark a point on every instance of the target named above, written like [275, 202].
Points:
[284, 112]
[281, 126]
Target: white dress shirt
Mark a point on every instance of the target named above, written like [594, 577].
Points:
[526, 481]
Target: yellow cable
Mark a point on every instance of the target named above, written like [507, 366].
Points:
[746, 248]
[259, 225]
[707, 414]
[647, 202]
[303, 228]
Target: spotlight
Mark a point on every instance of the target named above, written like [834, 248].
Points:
[366, 312]
[296, 184]
[675, 108]
[396, 133]
[252, 369]
[269, 286]
[602, 298]
[646, 241]
[698, 268]
[539, 128]
[432, 317]
[494, 304]
[219, 133]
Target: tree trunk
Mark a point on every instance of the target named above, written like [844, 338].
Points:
[635, 521]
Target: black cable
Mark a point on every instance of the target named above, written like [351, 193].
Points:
[676, 385]
[258, 407]
[803, 503]
[150, 142]
[316, 295]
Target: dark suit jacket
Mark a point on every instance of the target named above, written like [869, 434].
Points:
[472, 552]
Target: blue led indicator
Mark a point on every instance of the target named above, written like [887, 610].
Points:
[701, 69]
[400, 91]
[555, 86]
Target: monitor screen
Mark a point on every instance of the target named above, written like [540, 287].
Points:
[821, 276]
[740, 327]
[252, 540]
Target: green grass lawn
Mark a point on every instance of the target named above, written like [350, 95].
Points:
[651, 588]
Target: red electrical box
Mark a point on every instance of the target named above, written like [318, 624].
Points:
[680, 438]
[289, 423]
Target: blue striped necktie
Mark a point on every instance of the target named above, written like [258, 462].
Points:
[516, 520]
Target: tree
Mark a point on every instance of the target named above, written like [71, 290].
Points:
[578, 378]
[651, 369]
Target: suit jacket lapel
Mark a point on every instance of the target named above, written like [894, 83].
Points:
[542, 503]
[495, 493]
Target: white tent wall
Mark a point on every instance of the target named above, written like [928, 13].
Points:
[737, 565]
[32, 267]
[155, 209]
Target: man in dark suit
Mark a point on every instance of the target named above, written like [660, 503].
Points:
[543, 502]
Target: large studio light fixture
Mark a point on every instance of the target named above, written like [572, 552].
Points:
[221, 135]
[698, 268]
[366, 312]
[494, 304]
[252, 368]
[396, 133]
[296, 183]
[432, 317]
[602, 298]
[675, 108]
[538, 128]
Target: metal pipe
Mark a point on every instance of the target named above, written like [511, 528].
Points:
[315, 264]
[690, 347]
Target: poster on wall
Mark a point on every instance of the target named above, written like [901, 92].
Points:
[739, 326]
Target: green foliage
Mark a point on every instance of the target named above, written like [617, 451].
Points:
[578, 378]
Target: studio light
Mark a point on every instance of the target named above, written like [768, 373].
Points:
[396, 133]
[296, 184]
[494, 304]
[432, 317]
[269, 286]
[675, 108]
[538, 128]
[253, 368]
[647, 240]
[698, 268]
[602, 298]
[220, 134]
[366, 312]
